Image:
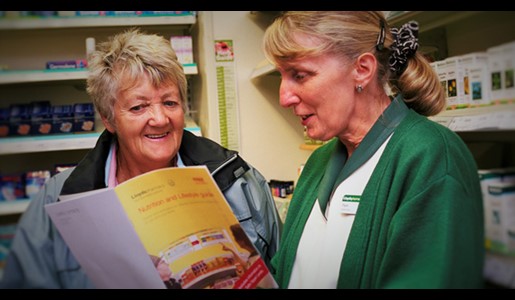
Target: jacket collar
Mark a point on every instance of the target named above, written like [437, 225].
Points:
[89, 174]
[225, 165]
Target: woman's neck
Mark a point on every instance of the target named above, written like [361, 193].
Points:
[365, 117]
[126, 170]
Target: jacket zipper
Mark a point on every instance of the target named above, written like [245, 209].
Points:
[225, 163]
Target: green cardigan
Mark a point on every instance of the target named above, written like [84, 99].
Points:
[420, 219]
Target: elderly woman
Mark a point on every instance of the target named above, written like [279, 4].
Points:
[139, 90]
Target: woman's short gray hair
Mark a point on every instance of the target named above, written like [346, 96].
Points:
[120, 62]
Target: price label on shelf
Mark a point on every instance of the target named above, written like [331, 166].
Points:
[227, 95]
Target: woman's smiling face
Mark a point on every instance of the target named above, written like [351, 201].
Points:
[149, 123]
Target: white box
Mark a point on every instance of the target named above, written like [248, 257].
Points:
[473, 74]
[496, 70]
[509, 71]
[439, 67]
[183, 46]
[453, 84]
[489, 177]
[447, 73]
[501, 230]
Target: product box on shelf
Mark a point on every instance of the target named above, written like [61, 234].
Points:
[501, 232]
[152, 13]
[123, 13]
[6, 237]
[447, 71]
[67, 64]
[496, 68]
[12, 187]
[83, 13]
[509, 71]
[183, 46]
[476, 78]
[41, 117]
[168, 13]
[19, 119]
[84, 117]
[281, 188]
[487, 178]
[4, 121]
[62, 118]
[34, 180]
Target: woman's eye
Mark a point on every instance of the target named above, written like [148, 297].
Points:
[136, 108]
[171, 103]
[299, 76]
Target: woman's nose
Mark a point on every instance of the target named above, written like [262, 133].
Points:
[287, 97]
[158, 115]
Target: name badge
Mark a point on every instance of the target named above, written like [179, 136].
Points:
[350, 204]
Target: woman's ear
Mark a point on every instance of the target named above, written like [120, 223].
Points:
[108, 125]
[365, 69]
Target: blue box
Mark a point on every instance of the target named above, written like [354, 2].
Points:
[84, 117]
[19, 119]
[4, 121]
[62, 119]
[41, 117]
[12, 187]
[7, 232]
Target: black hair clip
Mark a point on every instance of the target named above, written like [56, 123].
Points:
[381, 37]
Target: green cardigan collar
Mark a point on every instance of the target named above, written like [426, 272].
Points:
[339, 168]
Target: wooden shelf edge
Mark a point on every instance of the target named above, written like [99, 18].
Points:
[13, 207]
[44, 143]
[26, 76]
[498, 117]
[262, 69]
[94, 21]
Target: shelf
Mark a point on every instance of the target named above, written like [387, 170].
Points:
[492, 120]
[474, 124]
[94, 21]
[262, 69]
[26, 76]
[54, 142]
[190, 69]
[497, 136]
[13, 207]
[428, 20]
[10, 77]
[497, 117]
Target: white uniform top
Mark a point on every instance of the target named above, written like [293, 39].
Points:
[321, 247]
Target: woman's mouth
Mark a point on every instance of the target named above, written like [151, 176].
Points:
[157, 136]
[304, 118]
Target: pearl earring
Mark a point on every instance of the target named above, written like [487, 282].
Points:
[359, 88]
